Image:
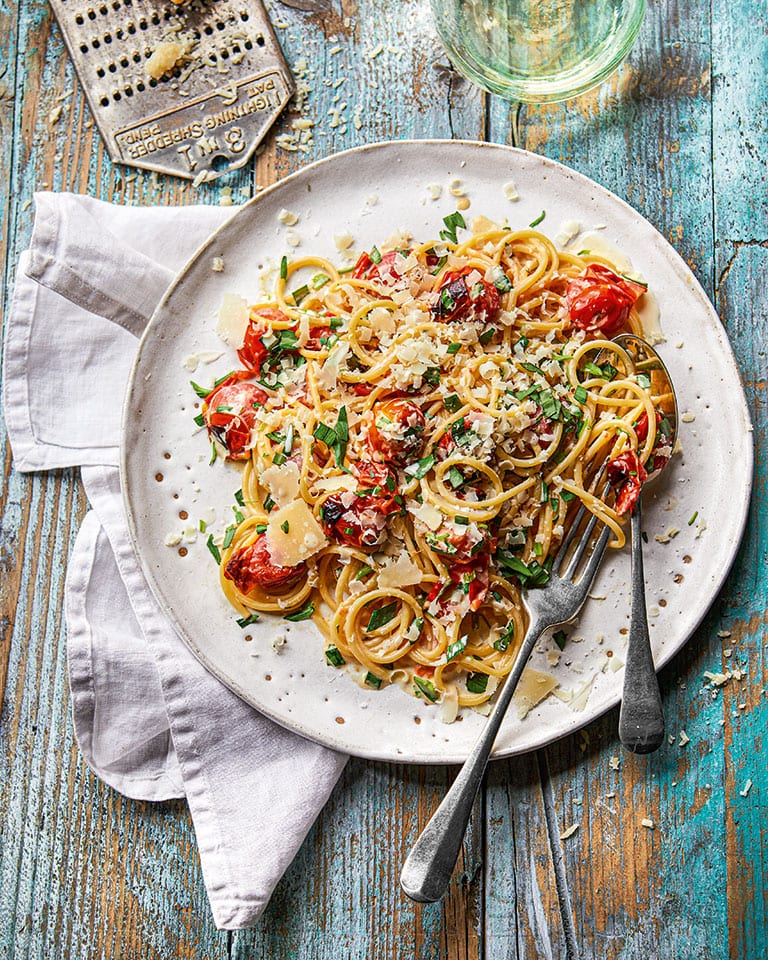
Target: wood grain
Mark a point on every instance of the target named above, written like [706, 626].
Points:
[680, 132]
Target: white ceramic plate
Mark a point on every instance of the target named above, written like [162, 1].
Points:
[373, 192]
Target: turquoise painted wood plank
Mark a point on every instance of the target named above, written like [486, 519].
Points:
[740, 142]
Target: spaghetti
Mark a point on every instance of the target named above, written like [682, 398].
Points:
[416, 434]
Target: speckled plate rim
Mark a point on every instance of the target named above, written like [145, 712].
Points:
[575, 721]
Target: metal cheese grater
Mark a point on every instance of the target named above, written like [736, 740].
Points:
[209, 112]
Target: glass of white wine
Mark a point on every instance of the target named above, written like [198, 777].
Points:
[538, 51]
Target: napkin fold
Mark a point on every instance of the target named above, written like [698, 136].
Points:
[149, 720]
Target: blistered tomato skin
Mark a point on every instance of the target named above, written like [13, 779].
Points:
[230, 415]
[252, 568]
[396, 435]
[628, 475]
[600, 301]
[461, 299]
[359, 518]
[253, 352]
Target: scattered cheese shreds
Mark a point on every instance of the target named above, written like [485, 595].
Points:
[747, 788]
[569, 832]
[648, 823]
[684, 738]
[510, 191]
[287, 217]
[614, 762]
[343, 241]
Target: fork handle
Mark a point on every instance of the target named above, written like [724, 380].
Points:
[641, 720]
[427, 871]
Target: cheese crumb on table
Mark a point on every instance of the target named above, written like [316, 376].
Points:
[648, 823]
[747, 788]
[569, 832]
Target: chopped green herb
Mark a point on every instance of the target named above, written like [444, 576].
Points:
[279, 459]
[446, 300]
[567, 496]
[202, 392]
[501, 281]
[324, 434]
[375, 255]
[432, 376]
[426, 688]
[214, 549]
[477, 682]
[285, 526]
[238, 516]
[261, 528]
[452, 223]
[544, 495]
[239, 497]
[371, 679]
[422, 466]
[538, 548]
[199, 420]
[335, 323]
[363, 572]
[304, 614]
[644, 381]
[299, 294]
[268, 502]
[452, 403]
[693, 519]
[505, 638]
[229, 536]
[550, 405]
[455, 477]
[580, 394]
[537, 221]
[486, 336]
[463, 521]
[334, 657]
[454, 348]
[319, 280]
[247, 621]
[593, 368]
[456, 648]
[560, 638]
[439, 266]
[213, 453]
[583, 253]
[381, 616]
[202, 526]
[284, 268]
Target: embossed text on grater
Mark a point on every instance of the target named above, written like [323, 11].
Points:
[207, 114]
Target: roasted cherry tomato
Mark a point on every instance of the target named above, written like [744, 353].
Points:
[600, 300]
[253, 352]
[230, 414]
[397, 432]
[253, 567]
[628, 475]
[381, 272]
[359, 518]
[459, 300]
[470, 577]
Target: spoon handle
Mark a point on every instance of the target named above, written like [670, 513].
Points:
[641, 721]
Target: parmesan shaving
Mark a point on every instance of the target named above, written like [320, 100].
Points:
[293, 534]
[234, 314]
[282, 483]
[534, 687]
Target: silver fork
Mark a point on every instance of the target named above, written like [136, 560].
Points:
[427, 871]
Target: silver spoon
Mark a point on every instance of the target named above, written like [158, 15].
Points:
[641, 719]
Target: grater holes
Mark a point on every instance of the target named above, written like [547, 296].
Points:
[101, 72]
[91, 14]
[140, 88]
[112, 68]
[79, 20]
[260, 41]
[107, 38]
[245, 16]
[104, 101]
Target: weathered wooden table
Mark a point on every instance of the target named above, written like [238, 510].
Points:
[681, 132]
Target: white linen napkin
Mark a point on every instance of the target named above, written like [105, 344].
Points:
[149, 720]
